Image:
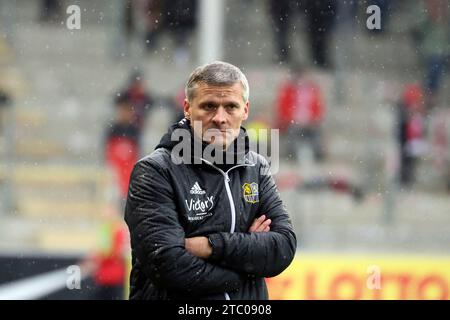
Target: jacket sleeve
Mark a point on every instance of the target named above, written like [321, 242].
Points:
[262, 254]
[157, 238]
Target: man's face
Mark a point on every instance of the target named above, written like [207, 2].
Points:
[220, 110]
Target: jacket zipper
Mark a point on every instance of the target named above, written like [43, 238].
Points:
[233, 213]
[227, 187]
[230, 198]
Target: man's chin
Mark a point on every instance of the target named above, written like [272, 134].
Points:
[221, 141]
[220, 144]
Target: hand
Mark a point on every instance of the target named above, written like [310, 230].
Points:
[260, 225]
[198, 246]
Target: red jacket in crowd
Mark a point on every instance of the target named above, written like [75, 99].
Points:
[299, 103]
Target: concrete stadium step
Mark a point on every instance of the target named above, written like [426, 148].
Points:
[61, 175]
[59, 191]
[68, 240]
[40, 234]
[254, 35]
[6, 53]
[373, 238]
[12, 81]
[429, 208]
[38, 149]
[326, 221]
[351, 232]
[36, 207]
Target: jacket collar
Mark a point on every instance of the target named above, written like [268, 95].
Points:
[236, 154]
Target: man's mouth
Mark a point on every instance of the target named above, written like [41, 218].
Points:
[221, 130]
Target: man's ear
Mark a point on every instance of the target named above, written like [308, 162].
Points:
[187, 109]
[246, 110]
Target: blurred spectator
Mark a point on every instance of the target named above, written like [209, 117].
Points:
[440, 139]
[346, 13]
[320, 17]
[300, 112]
[178, 17]
[411, 132]
[5, 101]
[50, 11]
[292, 180]
[136, 95]
[128, 19]
[280, 11]
[154, 20]
[108, 260]
[338, 185]
[256, 129]
[177, 103]
[432, 35]
[6, 141]
[122, 145]
[180, 21]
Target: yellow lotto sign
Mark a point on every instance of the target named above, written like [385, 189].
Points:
[336, 277]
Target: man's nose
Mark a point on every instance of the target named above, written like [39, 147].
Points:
[220, 117]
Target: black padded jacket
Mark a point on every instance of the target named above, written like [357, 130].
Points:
[168, 202]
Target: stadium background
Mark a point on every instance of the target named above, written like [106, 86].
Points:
[56, 189]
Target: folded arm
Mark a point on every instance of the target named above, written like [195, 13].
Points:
[263, 254]
[158, 239]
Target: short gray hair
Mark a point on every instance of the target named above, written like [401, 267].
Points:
[217, 73]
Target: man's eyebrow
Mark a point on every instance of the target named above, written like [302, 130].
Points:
[226, 102]
[208, 102]
[232, 103]
[217, 102]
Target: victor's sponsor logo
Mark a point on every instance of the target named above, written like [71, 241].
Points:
[251, 192]
[199, 209]
[200, 205]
